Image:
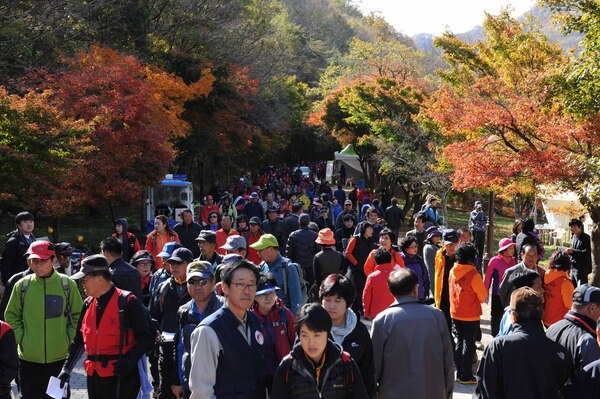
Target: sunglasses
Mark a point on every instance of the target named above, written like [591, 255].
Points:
[213, 217]
[198, 281]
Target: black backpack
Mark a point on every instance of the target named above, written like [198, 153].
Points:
[124, 297]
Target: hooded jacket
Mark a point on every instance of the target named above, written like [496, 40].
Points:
[130, 244]
[355, 339]
[278, 330]
[376, 295]
[558, 295]
[467, 292]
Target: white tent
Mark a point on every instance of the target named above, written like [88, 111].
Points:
[349, 159]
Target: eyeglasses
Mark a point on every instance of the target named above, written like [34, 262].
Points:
[243, 287]
[213, 217]
[267, 294]
[201, 282]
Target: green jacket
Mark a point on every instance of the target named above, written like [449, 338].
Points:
[42, 326]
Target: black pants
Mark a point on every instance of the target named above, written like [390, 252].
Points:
[496, 313]
[579, 277]
[465, 347]
[106, 387]
[478, 238]
[34, 378]
[165, 369]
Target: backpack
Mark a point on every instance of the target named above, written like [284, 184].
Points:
[64, 280]
[303, 282]
[124, 297]
[4, 328]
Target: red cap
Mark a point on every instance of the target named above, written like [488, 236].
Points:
[40, 250]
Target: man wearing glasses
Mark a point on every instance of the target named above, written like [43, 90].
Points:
[170, 295]
[200, 286]
[227, 347]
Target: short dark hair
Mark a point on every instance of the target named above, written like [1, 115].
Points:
[576, 222]
[394, 201]
[382, 256]
[112, 246]
[240, 217]
[340, 285]
[187, 210]
[528, 245]
[402, 282]
[560, 260]
[314, 317]
[296, 206]
[230, 268]
[364, 225]
[466, 253]
[528, 226]
[348, 216]
[406, 242]
[523, 278]
[23, 216]
[422, 216]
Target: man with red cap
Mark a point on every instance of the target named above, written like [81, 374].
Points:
[43, 312]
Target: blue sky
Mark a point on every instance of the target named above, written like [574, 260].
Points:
[434, 16]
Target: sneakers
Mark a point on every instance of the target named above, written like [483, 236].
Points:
[469, 381]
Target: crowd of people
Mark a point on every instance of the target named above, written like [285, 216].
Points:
[268, 296]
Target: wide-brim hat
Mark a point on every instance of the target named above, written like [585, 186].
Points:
[325, 237]
[505, 243]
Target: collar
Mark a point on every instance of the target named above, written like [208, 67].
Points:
[583, 321]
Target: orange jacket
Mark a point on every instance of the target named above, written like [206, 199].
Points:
[370, 262]
[377, 295]
[558, 295]
[155, 243]
[467, 292]
[440, 264]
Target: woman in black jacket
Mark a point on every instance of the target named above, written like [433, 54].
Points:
[317, 367]
[335, 295]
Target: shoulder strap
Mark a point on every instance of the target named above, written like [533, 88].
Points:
[64, 280]
[348, 373]
[24, 288]
[123, 298]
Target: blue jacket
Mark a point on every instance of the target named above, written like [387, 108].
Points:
[292, 294]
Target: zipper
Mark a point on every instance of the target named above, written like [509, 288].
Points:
[327, 372]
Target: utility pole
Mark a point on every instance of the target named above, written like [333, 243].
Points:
[489, 231]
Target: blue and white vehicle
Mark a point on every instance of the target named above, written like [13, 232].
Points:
[169, 197]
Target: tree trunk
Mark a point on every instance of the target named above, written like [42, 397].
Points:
[595, 238]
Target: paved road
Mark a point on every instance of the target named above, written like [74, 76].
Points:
[78, 377]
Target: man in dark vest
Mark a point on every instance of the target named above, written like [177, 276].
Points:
[227, 352]
[111, 363]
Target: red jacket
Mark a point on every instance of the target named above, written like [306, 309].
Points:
[103, 339]
[284, 334]
[377, 295]
[222, 238]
